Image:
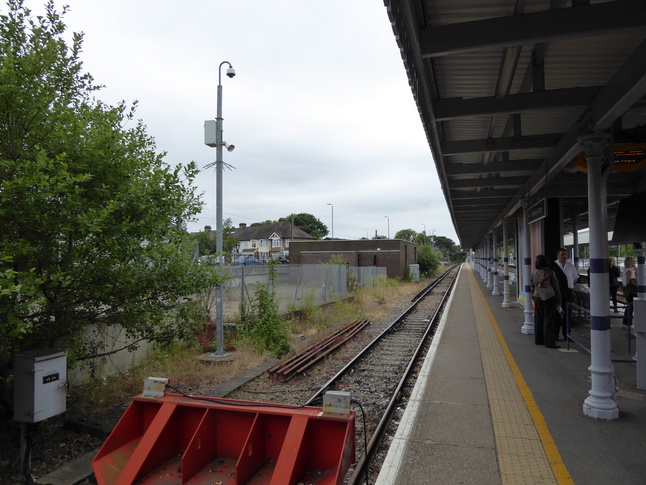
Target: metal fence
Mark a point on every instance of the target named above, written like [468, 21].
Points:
[367, 276]
[295, 285]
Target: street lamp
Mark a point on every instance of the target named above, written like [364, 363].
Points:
[332, 219]
[388, 226]
[217, 141]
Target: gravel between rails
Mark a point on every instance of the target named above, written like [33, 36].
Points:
[372, 384]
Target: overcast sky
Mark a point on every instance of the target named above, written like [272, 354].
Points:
[320, 110]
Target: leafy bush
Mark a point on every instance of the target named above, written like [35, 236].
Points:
[89, 210]
[266, 330]
[428, 260]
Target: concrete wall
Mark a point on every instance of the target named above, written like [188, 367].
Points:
[113, 337]
[393, 254]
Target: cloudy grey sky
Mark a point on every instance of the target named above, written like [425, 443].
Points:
[320, 110]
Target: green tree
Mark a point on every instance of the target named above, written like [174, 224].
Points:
[207, 240]
[88, 209]
[406, 235]
[422, 238]
[449, 249]
[444, 244]
[427, 259]
[264, 223]
[309, 224]
[229, 241]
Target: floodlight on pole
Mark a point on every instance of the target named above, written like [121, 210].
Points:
[332, 220]
[388, 226]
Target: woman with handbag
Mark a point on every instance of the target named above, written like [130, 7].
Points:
[629, 280]
[547, 300]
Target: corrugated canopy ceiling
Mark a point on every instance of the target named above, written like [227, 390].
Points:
[504, 90]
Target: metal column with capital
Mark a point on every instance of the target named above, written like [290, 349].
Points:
[481, 262]
[494, 263]
[641, 270]
[505, 259]
[528, 324]
[600, 402]
[489, 270]
[481, 265]
[639, 317]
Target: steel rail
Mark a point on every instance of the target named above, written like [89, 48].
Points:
[361, 468]
[376, 340]
[426, 290]
[315, 352]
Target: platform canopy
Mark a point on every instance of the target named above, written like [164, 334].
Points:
[504, 88]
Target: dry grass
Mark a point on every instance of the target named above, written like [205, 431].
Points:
[194, 376]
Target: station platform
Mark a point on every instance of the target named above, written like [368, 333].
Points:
[491, 407]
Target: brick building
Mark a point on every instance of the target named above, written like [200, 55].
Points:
[393, 254]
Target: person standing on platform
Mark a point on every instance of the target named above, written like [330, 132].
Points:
[547, 299]
[614, 274]
[629, 280]
[567, 276]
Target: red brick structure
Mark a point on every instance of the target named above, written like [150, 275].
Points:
[393, 254]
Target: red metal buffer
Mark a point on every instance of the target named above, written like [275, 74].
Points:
[177, 439]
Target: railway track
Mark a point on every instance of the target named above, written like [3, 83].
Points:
[377, 376]
[301, 362]
[397, 349]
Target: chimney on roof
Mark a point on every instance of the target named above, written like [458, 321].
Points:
[207, 228]
[242, 225]
[281, 221]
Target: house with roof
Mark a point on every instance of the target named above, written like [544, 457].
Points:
[267, 241]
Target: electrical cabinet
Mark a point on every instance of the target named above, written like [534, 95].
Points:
[39, 384]
[210, 133]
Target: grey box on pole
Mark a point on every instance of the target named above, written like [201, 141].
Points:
[210, 133]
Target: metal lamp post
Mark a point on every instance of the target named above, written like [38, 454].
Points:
[388, 226]
[332, 219]
[219, 143]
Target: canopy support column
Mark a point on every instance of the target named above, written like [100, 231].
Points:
[494, 263]
[489, 270]
[600, 402]
[528, 324]
[505, 261]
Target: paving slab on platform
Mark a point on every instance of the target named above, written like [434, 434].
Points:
[480, 344]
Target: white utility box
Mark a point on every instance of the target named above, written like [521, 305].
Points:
[39, 384]
[337, 402]
[210, 133]
[413, 271]
[155, 387]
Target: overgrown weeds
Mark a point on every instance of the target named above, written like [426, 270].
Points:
[266, 330]
[178, 361]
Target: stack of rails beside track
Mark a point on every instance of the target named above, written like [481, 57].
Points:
[378, 373]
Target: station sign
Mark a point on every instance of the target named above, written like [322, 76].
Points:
[537, 212]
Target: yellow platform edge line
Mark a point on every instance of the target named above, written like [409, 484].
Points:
[559, 469]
